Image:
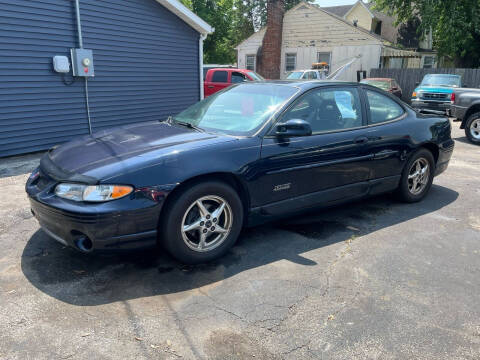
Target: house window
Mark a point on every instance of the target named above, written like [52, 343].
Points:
[250, 62]
[290, 62]
[378, 28]
[428, 62]
[323, 57]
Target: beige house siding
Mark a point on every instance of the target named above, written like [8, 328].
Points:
[249, 47]
[308, 30]
[307, 25]
[360, 13]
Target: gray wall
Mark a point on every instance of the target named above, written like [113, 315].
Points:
[146, 68]
[407, 78]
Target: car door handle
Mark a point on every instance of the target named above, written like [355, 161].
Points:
[361, 140]
[210, 86]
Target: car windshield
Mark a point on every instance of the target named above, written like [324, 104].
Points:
[255, 76]
[382, 84]
[295, 75]
[239, 110]
[441, 80]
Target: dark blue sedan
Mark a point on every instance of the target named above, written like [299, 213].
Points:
[251, 153]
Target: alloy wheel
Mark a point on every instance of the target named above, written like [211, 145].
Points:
[418, 176]
[475, 129]
[207, 223]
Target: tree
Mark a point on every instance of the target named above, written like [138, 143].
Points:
[408, 35]
[455, 25]
[218, 47]
[234, 21]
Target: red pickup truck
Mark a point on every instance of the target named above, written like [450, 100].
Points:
[220, 78]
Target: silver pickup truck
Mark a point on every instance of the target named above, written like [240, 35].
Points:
[465, 107]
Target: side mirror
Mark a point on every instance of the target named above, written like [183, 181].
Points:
[293, 127]
[417, 83]
[466, 85]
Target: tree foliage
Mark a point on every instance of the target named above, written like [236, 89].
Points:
[455, 25]
[407, 33]
[234, 21]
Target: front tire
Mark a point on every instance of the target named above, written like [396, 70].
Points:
[202, 222]
[417, 176]
[472, 128]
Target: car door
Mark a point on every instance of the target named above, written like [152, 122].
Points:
[220, 80]
[238, 77]
[329, 165]
[388, 137]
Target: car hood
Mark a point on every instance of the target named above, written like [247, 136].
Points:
[436, 89]
[132, 145]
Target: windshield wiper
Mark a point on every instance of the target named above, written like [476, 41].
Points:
[189, 125]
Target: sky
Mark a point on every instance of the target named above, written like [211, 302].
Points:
[335, 2]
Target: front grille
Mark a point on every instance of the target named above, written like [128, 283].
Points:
[434, 96]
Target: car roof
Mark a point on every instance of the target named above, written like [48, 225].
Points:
[451, 75]
[230, 69]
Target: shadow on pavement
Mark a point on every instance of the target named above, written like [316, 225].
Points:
[19, 165]
[463, 139]
[89, 280]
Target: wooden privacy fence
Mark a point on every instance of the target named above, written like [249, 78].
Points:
[407, 78]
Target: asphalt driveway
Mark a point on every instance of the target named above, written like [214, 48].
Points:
[376, 279]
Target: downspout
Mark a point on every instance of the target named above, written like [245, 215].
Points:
[80, 45]
[200, 62]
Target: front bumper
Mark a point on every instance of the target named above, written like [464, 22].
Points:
[433, 107]
[122, 224]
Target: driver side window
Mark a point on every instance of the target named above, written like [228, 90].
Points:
[328, 109]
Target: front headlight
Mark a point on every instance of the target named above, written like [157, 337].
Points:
[92, 193]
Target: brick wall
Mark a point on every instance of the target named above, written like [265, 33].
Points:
[269, 56]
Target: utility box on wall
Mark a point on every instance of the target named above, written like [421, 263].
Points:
[82, 62]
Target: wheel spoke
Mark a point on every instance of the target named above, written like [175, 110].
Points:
[219, 229]
[415, 183]
[218, 211]
[192, 226]
[418, 167]
[201, 243]
[412, 176]
[203, 210]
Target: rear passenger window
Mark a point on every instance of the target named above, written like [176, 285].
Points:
[220, 76]
[382, 108]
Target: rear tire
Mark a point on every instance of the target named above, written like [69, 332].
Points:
[472, 128]
[202, 222]
[417, 176]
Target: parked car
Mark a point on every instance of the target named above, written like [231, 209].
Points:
[466, 108]
[220, 78]
[387, 84]
[252, 153]
[306, 75]
[435, 93]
